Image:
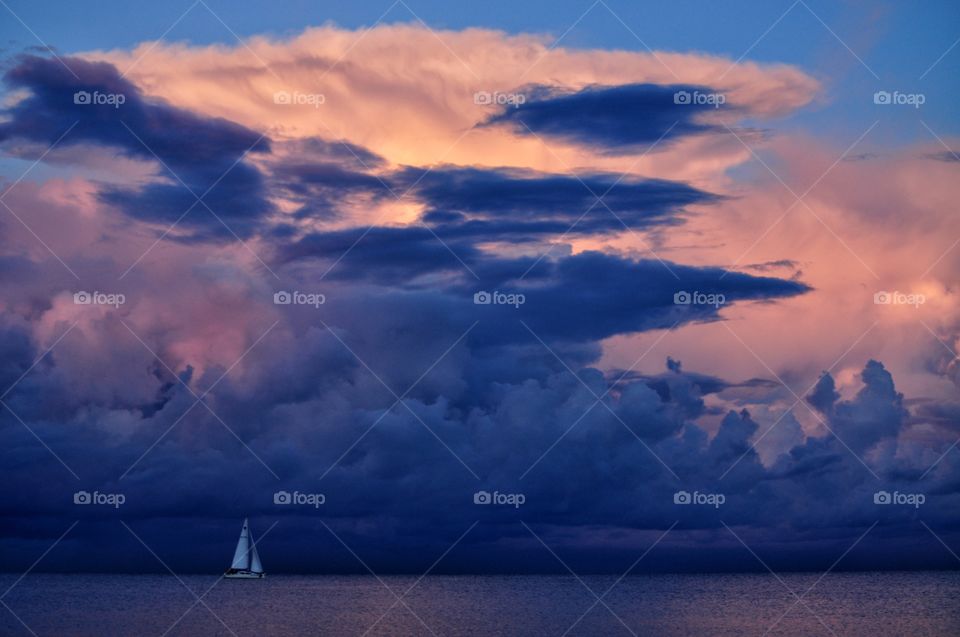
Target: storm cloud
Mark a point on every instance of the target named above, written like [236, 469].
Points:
[619, 119]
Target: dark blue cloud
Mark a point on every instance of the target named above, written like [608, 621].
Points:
[383, 255]
[321, 189]
[876, 412]
[205, 153]
[400, 498]
[325, 178]
[515, 205]
[586, 297]
[592, 295]
[947, 155]
[490, 204]
[617, 119]
[824, 394]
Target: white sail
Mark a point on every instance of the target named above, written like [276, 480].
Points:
[241, 557]
[255, 564]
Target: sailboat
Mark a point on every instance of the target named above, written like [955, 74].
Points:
[246, 561]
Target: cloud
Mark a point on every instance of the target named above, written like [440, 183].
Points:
[321, 190]
[523, 395]
[624, 118]
[513, 205]
[875, 414]
[824, 395]
[614, 295]
[947, 156]
[773, 265]
[196, 156]
[611, 294]
[398, 475]
[387, 255]
[408, 93]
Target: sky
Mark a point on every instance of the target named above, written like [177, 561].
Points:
[488, 288]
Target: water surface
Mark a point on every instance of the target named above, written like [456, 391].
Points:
[867, 604]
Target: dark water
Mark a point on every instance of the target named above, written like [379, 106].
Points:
[871, 604]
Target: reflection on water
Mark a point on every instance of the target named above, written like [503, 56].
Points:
[870, 604]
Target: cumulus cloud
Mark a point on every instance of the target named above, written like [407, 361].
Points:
[409, 94]
[400, 396]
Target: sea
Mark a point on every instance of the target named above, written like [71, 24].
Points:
[867, 604]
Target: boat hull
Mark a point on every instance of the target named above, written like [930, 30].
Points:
[244, 575]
